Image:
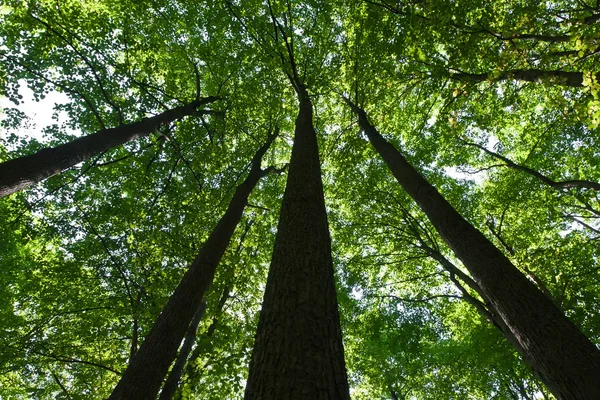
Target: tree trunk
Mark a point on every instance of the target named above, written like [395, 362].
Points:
[22, 172]
[144, 375]
[482, 308]
[566, 361]
[172, 381]
[298, 353]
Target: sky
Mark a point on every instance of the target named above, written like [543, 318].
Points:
[39, 113]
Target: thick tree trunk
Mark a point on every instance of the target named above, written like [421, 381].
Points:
[144, 375]
[561, 78]
[172, 381]
[566, 361]
[298, 352]
[22, 172]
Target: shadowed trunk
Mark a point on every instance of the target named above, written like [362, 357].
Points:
[145, 373]
[198, 351]
[298, 353]
[22, 172]
[566, 361]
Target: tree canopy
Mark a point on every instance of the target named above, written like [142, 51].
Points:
[495, 103]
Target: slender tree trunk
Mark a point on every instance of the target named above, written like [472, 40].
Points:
[172, 381]
[561, 78]
[22, 172]
[298, 353]
[566, 361]
[144, 375]
[190, 370]
[134, 338]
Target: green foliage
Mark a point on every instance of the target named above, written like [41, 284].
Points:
[89, 257]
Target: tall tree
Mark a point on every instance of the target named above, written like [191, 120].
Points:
[298, 352]
[90, 257]
[172, 381]
[20, 173]
[572, 368]
[144, 375]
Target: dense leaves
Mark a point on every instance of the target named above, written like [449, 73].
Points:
[90, 257]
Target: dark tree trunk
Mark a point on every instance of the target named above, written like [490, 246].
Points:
[144, 375]
[561, 78]
[134, 338]
[298, 353]
[172, 381]
[566, 361]
[22, 172]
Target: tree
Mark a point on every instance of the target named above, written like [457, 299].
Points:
[91, 256]
[299, 316]
[572, 368]
[148, 366]
[22, 172]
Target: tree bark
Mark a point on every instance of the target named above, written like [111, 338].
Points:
[144, 375]
[298, 353]
[557, 77]
[20, 173]
[566, 361]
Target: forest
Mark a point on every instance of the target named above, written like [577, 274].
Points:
[300, 199]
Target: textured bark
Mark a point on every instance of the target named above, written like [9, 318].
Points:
[145, 373]
[22, 172]
[562, 78]
[566, 361]
[172, 381]
[298, 353]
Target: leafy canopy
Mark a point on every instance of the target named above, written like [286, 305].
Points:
[90, 256]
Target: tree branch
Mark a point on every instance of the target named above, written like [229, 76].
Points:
[569, 184]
